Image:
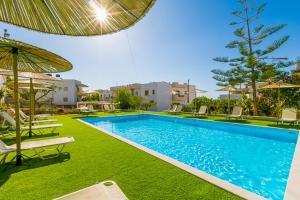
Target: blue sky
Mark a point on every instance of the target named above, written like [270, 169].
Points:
[176, 40]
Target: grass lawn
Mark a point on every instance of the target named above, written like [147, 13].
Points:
[95, 157]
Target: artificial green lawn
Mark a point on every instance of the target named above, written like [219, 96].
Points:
[95, 157]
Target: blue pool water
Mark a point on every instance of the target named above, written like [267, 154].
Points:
[255, 158]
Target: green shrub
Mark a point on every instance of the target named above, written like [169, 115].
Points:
[187, 108]
[123, 97]
[148, 104]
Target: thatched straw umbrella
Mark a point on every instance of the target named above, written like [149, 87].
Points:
[87, 93]
[18, 56]
[230, 90]
[277, 86]
[200, 91]
[245, 90]
[74, 17]
[32, 85]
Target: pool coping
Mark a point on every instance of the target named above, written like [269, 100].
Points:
[292, 191]
[196, 172]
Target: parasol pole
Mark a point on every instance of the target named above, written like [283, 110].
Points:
[278, 100]
[17, 106]
[31, 93]
[228, 102]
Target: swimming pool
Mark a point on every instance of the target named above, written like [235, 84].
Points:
[254, 158]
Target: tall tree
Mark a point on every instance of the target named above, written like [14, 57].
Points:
[255, 62]
[232, 77]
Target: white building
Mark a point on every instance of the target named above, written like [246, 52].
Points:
[183, 93]
[105, 95]
[163, 93]
[66, 92]
[159, 92]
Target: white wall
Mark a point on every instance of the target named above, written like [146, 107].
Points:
[192, 93]
[65, 89]
[162, 94]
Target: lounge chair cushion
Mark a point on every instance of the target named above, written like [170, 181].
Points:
[41, 126]
[107, 190]
[43, 143]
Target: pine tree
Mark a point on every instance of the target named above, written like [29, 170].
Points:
[255, 62]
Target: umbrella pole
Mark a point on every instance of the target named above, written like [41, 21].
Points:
[278, 100]
[17, 106]
[31, 107]
[228, 102]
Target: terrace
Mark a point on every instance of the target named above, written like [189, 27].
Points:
[98, 157]
[243, 145]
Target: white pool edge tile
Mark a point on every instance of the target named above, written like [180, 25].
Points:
[293, 185]
[196, 172]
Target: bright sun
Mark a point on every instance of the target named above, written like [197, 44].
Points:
[100, 12]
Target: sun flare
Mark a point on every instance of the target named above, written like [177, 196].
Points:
[100, 12]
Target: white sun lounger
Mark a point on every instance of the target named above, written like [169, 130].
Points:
[178, 109]
[288, 115]
[173, 109]
[39, 128]
[88, 109]
[109, 108]
[24, 116]
[236, 112]
[38, 147]
[107, 190]
[38, 121]
[106, 108]
[202, 111]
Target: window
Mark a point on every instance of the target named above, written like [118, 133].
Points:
[153, 91]
[65, 99]
[66, 88]
[59, 88]
[146, 92]
[181, 93]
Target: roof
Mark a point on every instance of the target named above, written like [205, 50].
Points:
[75, 17]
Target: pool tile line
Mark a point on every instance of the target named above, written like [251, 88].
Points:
[196, 172]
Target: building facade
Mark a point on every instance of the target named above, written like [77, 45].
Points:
[159, 92]
[183, 93]
[66, 92]
[163, 93]
[105, 95]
